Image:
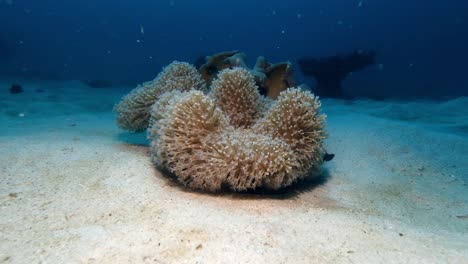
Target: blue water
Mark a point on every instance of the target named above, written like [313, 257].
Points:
[420, 45]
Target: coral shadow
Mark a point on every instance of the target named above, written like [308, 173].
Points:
[302, 186]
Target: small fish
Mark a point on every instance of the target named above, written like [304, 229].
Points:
[462, 216]
[328, 156]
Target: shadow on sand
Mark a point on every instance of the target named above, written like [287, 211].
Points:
[302, 186]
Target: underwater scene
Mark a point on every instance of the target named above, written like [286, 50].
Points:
[181, 131]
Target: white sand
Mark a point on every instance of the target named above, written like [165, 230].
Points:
[75, 189]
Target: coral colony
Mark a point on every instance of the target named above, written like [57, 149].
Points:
[214, 130]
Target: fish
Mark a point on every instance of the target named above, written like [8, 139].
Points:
[328, 156]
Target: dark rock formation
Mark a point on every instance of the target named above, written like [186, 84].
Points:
[329, 72]
[16, 89]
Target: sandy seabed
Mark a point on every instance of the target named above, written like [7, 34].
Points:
[76, 189]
